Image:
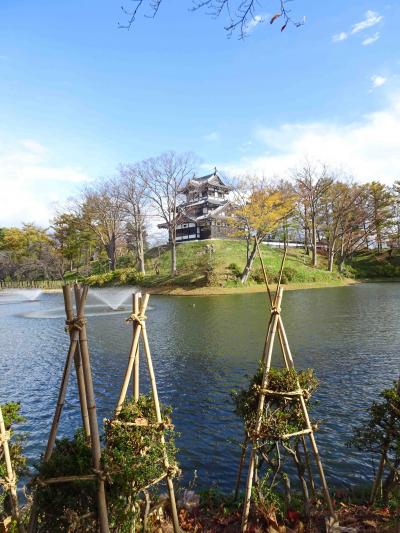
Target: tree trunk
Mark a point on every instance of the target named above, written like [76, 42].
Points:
[331, 256]
[249, 263]
[314, 242]
[331, 260]
[111, 250]
[173, 258]
[140, 249]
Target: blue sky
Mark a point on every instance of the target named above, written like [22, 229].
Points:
[78, 95]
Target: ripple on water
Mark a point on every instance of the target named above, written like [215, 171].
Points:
[350, 336]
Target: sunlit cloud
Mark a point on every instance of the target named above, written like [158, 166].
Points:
[372, 18]
[30, 185]
[378, 81]
[253, 23]
[368, 148]
[370, 40]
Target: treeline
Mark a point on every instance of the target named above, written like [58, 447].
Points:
[110, 223]
[326, 211]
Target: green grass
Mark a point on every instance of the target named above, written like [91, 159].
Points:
[374, 265]
[193, 261]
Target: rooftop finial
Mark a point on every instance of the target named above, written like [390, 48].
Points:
[215, 171]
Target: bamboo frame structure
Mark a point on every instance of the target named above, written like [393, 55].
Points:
[276, 327]
[138, 319]
[9, 482]
[78, 352]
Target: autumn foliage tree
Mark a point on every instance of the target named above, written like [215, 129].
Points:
[263, 210]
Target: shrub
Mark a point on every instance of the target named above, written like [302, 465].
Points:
[66, 507]
[381, 435]
[283, 416]
[134, 457]
[289, 274]
[120, 276]
[132, 460]
[12, 416]
[235, 270]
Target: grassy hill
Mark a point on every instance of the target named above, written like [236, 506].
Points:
[197, 268]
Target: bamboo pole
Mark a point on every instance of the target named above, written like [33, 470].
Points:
[267, 357]
[241, 464]
[156, 401]
[79, 369]
[132, 355]
[136, 386]
[309, 426]
[91, 406]
[11, 481]
[73, 346]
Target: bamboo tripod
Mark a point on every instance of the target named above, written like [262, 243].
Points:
[138, 319]
[9, 483]
[276, 326]
[78, 353]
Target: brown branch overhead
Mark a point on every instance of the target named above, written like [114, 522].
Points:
[241, 13]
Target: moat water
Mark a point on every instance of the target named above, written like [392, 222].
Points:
[203, 347]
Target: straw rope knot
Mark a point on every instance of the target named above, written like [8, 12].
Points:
[138, 318]
[8, 483]
[75, 324]
[5, 437]
[101, 475]
[173, 471]
[275, 310]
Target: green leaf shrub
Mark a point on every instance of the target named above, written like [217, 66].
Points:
[132, 459]
[283, 415]
[12, 417]
[120, 276]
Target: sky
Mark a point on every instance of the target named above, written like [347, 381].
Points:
[79, 95]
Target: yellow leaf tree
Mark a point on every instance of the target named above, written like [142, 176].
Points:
[260, 211]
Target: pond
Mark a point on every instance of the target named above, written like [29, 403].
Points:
[203, 347]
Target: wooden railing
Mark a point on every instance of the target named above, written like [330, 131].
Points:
[44, 284]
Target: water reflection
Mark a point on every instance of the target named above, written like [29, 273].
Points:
[202, 349]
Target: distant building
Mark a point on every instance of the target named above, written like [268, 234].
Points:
[203, 215]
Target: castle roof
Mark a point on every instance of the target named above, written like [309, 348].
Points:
[201, 182]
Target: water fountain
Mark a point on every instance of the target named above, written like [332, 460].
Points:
[113, 297]
[20, 295]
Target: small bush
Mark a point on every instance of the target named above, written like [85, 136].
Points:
[289, 274]
[234, 270]
[66, 507]
[132, 459]
[284, 416]
[12, 416]
[120, 276]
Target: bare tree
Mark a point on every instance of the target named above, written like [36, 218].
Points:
[164, 177]
[101, 209]
[355, 227]
[132, 189]
[240, 13]
[312, 183]
[336, 213]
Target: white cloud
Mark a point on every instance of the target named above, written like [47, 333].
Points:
[253, 23]
[30, 186]
[372, 18]
[368, 148]
[372, 39]
[342, 36]
[213, 136]
[378, 81]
